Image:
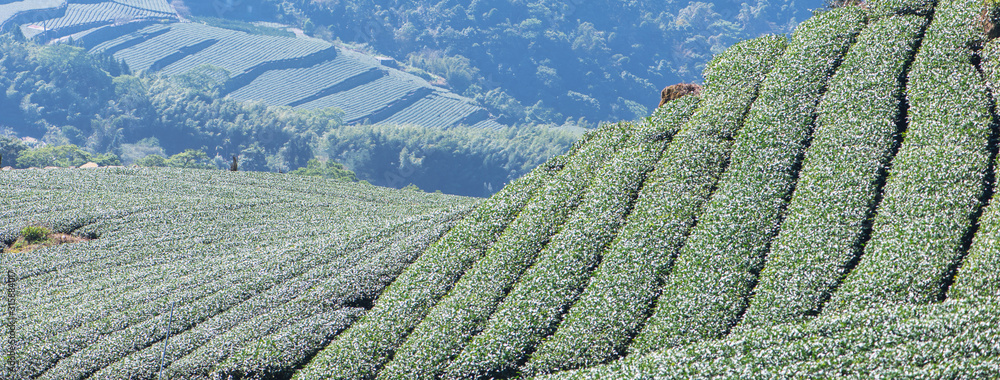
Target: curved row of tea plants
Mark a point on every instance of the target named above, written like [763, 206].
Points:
[611, 310]
[715, 272]
[979, 274]
[853, 142]
[605, 203]
[953, 339]
[939, 179]
[474, 296]
[534, 307]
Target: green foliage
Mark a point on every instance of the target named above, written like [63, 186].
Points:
[10, 149]
[833, 4]
[206, 78]
[457, 70]
[953, 339]
[715, 272]
[881, 8]
[611, 310]
[468, 305]
[327, 169]
[152, 161]
[938, 179]
[63, 156]
[979, 274]
[35, 234]
[190, 158]
[841, 173]
[106, 159]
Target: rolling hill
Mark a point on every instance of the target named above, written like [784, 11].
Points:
[227, 262]
[303, 73]
[824, 208]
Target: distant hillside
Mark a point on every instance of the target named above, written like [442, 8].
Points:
[539, 61]
[280, 71]
[60, 95]
[49, 19]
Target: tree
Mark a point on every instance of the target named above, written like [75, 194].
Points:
[152, 161]
[327, 169]
[106, 159]
[62, 156]
[10, 150]
[190, 158]
[205, 78]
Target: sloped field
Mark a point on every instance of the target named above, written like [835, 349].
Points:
[51, 19]
[825, 208]
[820, 210]
[302, 73]
[282, 71]
[343, 72]
[13, 13]
[83, 16]
[246, 262]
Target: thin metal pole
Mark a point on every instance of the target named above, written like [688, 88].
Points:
[170, 323]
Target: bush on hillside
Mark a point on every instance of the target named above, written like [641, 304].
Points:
[63, 156]
[10, 150]
[326, 169]
[35, 234]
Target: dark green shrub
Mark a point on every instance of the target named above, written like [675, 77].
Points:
[35, 234]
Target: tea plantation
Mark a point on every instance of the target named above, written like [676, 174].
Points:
[276, 68]
[243, 262]
[824, 208]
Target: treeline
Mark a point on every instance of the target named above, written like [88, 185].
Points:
[58, 95]
[539, 61]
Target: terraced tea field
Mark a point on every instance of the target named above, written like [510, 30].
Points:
[283, 71]
[342, 72]
[825, 208]
[51, 19]
[15, 13]
[81, 17]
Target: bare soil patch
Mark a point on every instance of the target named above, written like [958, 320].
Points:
[53, 239]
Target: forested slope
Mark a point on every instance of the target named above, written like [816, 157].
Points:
[60, 95]
[532, 61]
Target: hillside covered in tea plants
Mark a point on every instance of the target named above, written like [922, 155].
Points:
[824, 208]
[228, 265]
[249, 62]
